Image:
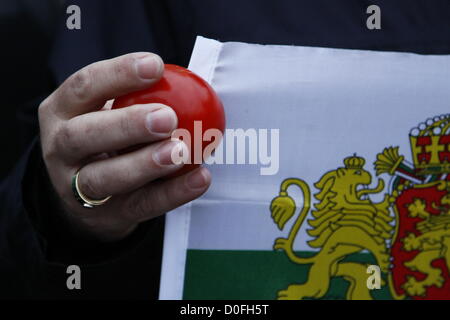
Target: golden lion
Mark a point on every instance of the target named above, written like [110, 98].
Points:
[344, 222]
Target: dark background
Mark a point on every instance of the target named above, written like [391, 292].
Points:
[27, 28]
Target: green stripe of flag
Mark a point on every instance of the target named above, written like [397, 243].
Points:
[235, 274]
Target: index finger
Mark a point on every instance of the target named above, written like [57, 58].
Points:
[89, 88]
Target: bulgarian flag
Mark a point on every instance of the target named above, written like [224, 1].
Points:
[302, 203]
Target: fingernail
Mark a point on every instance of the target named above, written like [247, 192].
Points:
[161, 121]
[149, 66]
[169, 153]
[198, 179]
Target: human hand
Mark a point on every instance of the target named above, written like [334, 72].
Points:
[79, 131]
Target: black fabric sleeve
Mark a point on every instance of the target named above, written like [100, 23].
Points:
[37, 244]
[20, 253]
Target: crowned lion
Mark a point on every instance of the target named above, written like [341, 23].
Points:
[344, 221]
[433, 243]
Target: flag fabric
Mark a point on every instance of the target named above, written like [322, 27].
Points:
[344, 173]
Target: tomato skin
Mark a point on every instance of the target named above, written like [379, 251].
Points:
[192, 99]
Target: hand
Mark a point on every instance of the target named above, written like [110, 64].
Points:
[79, 130]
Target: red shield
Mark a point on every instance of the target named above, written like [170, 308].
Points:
[402, 255]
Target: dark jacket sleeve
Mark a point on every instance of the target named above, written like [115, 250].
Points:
[20, 252]
[37, 245]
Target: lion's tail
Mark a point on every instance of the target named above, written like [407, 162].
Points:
[283, 208]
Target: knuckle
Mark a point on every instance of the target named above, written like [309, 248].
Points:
[132, 122]
[124, 68]
[65, 139]
[141, 110]
[143, 208]
[150, 203]
[58, 140]
[81, 83]
[162, 198]
[51, 144]
[126, 122]
[50, 150]
[89, 185]
[45, 116]
[166, 196]
[44, 106]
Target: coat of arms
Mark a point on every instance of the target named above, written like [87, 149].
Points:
[407, 232]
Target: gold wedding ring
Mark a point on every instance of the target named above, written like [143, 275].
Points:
[81, 198]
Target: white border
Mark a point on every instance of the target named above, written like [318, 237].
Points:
[176, 236]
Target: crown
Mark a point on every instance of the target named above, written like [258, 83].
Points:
[354, 162]
[430, 146]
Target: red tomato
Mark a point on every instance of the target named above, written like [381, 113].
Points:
[192, 99]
